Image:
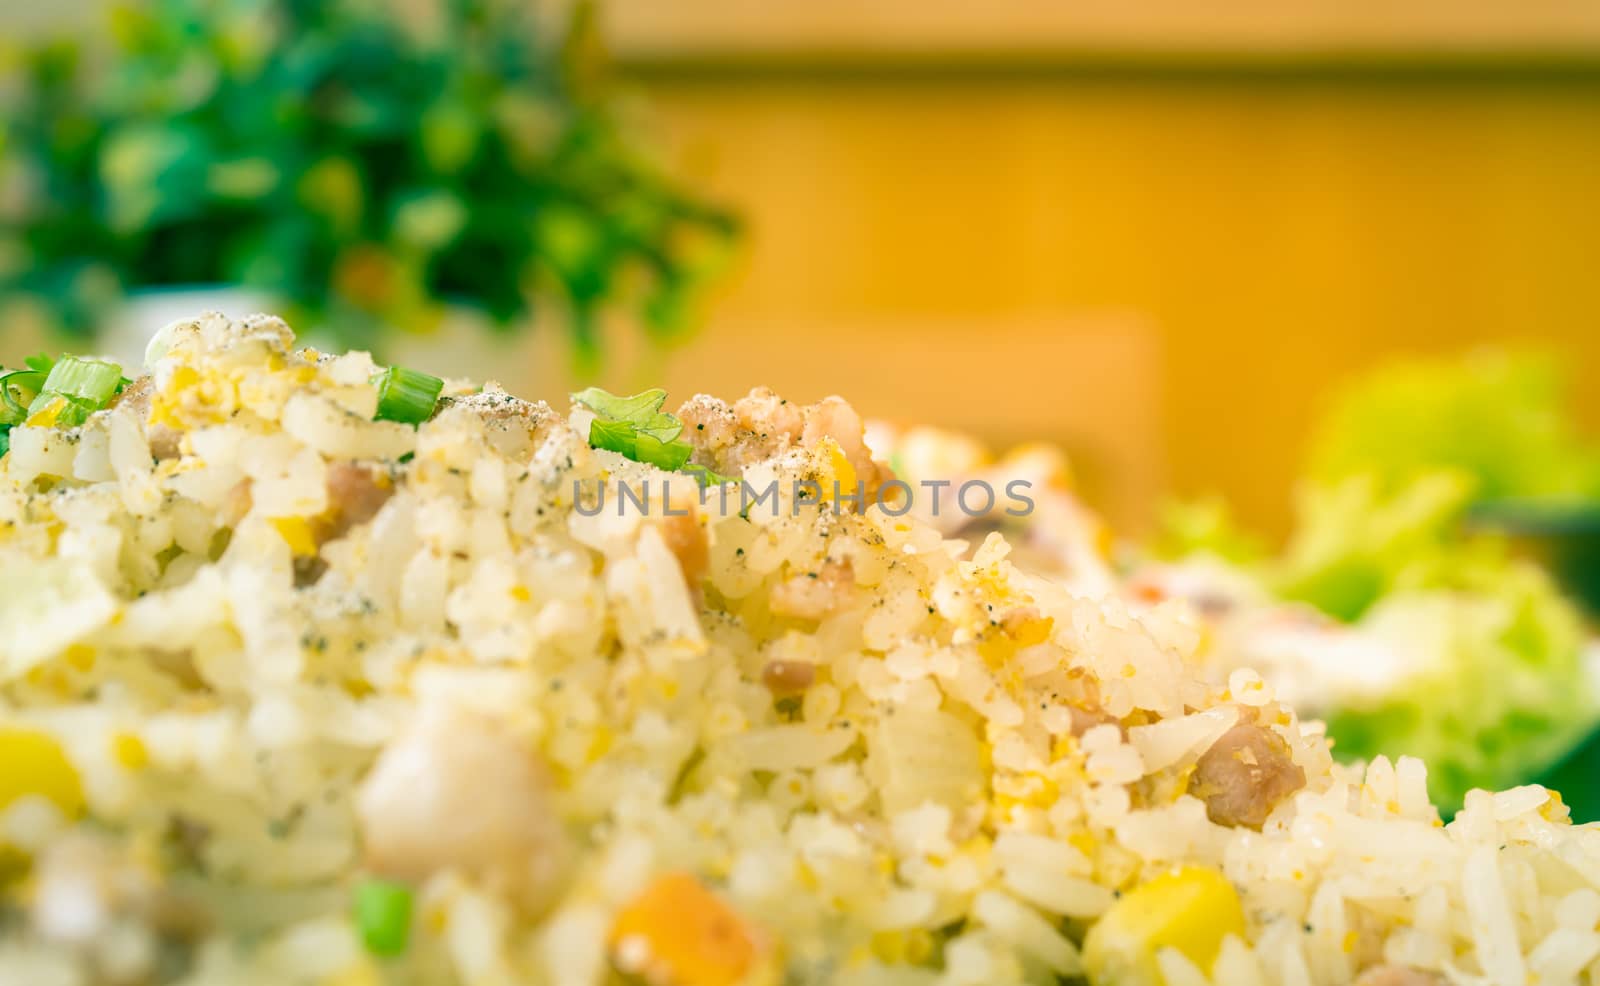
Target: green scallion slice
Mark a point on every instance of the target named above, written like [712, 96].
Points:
[707, 477]
[74, 410]
[18, 388]
[638, 409]
[669, 456]
[383, 916]
[91, 380]
[613, 436]
[642, 411]
[406, 396]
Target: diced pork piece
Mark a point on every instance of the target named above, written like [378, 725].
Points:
[729, 438]
[761, 425]
[787, 677]
[237, 503]
[1085, 718]
[1244, 775]
[685, 537]
[813, 595]
[356, 492]
[833, 417]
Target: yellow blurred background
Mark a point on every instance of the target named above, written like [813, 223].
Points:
[1158, 238]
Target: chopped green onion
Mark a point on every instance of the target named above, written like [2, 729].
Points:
[613, 436]
[383, 916]
[407, 396]
[92, 380]
[663, 455]
[637, 428]
[665, 432]
[626, 439]
[633, 409]
[72, 389]
[63, 394]
[18, 388]
[72, 411]
[707, 477]
[643, 411]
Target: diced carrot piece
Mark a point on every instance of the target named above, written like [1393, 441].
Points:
[678, 933]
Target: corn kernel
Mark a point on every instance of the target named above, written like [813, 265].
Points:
[839, 465]
[599, 744]
[1190, 909]
[80, 657]
[129, 751]
[33, 763]
[296, 533]
[911, 946]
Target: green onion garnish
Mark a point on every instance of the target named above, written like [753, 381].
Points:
[663, 455]
[67, 411]
[613, 436]
[406, 396]
[637, 428]
[707, 477]
[383, 916]
[91, 380]
[18, 388]
[72, 389]
[642, 411]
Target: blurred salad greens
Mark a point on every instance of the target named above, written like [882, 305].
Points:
[1383, 540]
[1499, 420]
[368, 164]
[1498, 690]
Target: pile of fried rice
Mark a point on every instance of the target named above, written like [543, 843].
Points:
[260, 653]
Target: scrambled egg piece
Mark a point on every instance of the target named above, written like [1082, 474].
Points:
[1190, 909]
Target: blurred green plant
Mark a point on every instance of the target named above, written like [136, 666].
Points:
[367, 163]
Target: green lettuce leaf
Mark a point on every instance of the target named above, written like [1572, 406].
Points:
[1498, 419]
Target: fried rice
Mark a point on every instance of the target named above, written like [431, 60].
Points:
[260, 653]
